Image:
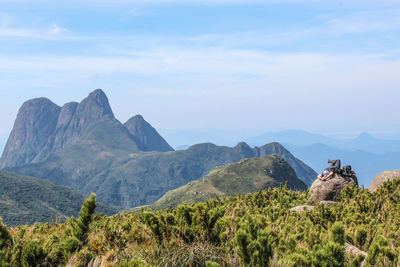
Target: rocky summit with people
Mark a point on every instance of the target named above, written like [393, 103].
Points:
[332, 181]
[329, 189]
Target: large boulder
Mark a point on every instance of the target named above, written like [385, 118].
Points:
[329, 189]
[383, 177]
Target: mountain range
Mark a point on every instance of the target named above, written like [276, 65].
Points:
[367, 165]
[83, 146]
[365, 141]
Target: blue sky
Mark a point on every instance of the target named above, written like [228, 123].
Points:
[236, 68]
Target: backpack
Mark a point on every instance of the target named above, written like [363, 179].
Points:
[346, 170]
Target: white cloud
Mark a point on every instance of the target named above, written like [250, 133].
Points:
[56, 30]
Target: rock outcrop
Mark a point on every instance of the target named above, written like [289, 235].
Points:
[383, 177]
[329, 189]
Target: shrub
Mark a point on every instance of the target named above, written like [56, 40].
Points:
[4, 235]
[338, 233]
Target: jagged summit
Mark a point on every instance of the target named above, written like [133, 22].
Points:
[148, 136]
[98, 100]
[42, 128]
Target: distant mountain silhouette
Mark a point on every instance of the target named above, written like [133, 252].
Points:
[364, 141]
[293, 137]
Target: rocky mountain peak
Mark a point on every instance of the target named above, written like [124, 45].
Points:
[149, 138]
[42, 127]
[94, 106]
[76, 118]
[36, 121]
[244, 149]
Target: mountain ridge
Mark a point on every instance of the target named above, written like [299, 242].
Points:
[123, 179]
[246, 176]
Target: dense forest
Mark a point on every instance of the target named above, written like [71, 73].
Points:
[256, 229]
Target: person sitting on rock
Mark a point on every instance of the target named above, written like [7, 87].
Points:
[335, 164]
[326, 174]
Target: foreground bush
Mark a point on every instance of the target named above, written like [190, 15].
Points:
[252, 230]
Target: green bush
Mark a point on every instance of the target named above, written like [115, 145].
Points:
[32, 253]
[338, 233]
[4, 235]
[332, 254]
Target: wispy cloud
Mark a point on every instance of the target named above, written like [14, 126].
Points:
[56, 30]
[32, 33]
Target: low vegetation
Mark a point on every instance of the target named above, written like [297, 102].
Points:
[26, 200]
[247, 230]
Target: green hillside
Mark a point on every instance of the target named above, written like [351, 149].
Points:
[246, 230]
[26, 200]
[246, 176]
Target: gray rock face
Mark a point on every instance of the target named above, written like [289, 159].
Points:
[42, 127]
[64, 119]
[328, 190]
[75, 118]
[383, 177]
[148, 137]
[29, 140]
